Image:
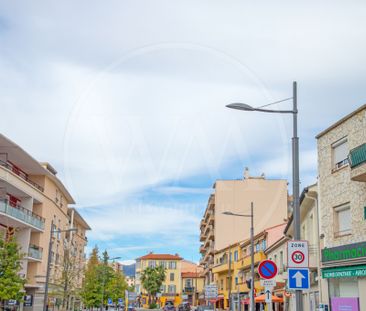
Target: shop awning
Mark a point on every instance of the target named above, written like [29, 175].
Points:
[213, 300]
[245, 301]
[262, 298]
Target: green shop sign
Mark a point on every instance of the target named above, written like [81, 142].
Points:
[344, 252]
[344, 272]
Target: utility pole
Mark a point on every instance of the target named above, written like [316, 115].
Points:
[229, 277]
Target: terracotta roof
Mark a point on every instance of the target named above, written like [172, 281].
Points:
[161, 257]
[190, 275]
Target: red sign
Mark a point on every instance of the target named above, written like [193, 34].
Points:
[267, 269]
[298, 257]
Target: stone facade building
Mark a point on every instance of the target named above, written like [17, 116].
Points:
[342, 210]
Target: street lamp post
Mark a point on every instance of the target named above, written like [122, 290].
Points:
[50, 244]
[103, 284]
[295, 165]
[251, 215]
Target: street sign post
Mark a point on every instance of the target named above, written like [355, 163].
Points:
[298, 279]
[211, 291]
[297, 254]
[267, 269]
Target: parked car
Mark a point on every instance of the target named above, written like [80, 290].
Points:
[169, 306]
[205, 308]
[131, 307]
[185, 306]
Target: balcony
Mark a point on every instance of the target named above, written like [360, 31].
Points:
[202, 249]
[357, 159]
[188, 289]
[17, 171]
[19, 213]
[34, 253]
[246, 261]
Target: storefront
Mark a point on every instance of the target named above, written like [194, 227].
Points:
[344, 268]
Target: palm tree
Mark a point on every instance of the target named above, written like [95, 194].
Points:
[152, 279]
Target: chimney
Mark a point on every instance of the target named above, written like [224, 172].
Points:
[246, 173]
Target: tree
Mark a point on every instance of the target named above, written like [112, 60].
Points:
[117, 286]
[11, 283]
[68, 282]
[152, 279]
[91, 292]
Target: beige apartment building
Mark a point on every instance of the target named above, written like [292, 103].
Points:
[342, 210]
[31, 198]
[218, 231]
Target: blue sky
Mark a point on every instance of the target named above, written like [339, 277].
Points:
[127, 100]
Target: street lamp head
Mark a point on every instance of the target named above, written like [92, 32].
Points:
[228, 213]
[240, 106]
[115, 258]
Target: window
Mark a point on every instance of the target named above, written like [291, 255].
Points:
[188, 283]
[171, 289]
[257, 247]
[264, 245]
[342, 215]
[172, 276]
[152, 263]
[162, 288]
[222, 284]
[340, 153]
[236, 257]
[236, 280]
[172, 265]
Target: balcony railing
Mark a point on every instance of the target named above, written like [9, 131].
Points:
[21, 174]
[35, 252]
[22, 214]
[189, 289]
[357, 155]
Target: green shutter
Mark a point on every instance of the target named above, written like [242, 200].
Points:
[358, 155]
[364, 213]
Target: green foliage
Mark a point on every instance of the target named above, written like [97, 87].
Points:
[153, 305]
[91, 293]
[11, 284]
[152, 279]
[101, 281]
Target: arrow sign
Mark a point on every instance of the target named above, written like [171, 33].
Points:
[298, 278]
[268, 295]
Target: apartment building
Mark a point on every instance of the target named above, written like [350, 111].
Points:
[192, 282]
[172, 287]
[31, 199]
[310, 232]
[232, 267]
[342, 210]
[218, 231]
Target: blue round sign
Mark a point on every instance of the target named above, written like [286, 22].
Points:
[267, 269]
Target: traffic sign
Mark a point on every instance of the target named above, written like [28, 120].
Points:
[211, 291]
[268, 295]
[267, 269]
[297, 254]
[298, 278]
[110, 301]
[268, 283]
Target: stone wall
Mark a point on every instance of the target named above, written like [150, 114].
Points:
[336, 187]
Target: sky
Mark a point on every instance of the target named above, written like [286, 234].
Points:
[126, 99]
